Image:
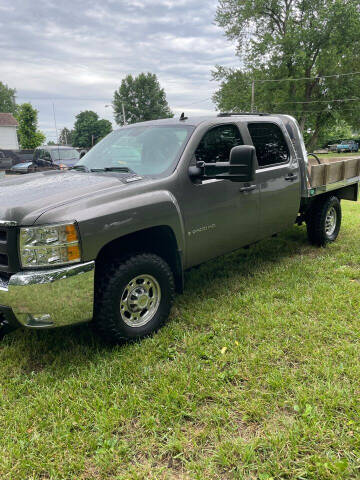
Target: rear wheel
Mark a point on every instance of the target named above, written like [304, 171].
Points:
[324, 220]
[134, 298]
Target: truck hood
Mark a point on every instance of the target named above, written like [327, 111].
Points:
[23, 199]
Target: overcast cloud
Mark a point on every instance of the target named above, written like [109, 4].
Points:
[75, 53]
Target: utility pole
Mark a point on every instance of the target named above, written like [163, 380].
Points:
[123, 112]
[253, 96]
[56, 130]
[65, 132]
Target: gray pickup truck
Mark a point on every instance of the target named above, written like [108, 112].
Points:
[110, 239]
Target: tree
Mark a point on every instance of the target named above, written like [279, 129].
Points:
[66, 136]
[292, 39]
[89, 129]
[104, 127]
[7, 99]
[29, 136]
[339, 130]
[143, 99]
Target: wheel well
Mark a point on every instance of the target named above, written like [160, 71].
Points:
[309, 204]
[159, 240]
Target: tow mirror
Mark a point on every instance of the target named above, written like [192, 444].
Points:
[239, 168]
[242, 163]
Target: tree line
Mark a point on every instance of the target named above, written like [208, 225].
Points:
[296, 57]
[300, 57]
[137, 99]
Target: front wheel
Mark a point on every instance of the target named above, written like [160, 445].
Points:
[6, 327]
[324, 221]
[134, 298]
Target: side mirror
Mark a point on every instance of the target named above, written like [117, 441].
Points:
[239, 168]
[242, 163]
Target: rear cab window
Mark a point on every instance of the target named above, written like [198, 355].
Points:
[270, 144]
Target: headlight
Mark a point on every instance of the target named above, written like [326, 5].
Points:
[49, 245]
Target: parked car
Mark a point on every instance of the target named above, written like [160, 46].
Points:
[333, 147]
[111, 238]
[48, 158]
[8, 158]
[61, 156]
[348, 146]
[23, 167]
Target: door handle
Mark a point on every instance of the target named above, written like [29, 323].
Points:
[247, 189]
[291, 177]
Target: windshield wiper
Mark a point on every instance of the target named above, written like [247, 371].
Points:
[114, 169]
[119, 169]
[81, 168]
[84, 168]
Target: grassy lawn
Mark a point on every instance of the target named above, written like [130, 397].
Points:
[338, 155]
[256, 376]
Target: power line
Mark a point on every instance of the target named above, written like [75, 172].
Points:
[299, 112]
[323, 101]
[294, 80]
[306, 78]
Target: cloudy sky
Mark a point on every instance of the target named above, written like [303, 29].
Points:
[75, 53]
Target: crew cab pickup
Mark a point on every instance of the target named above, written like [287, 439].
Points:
[110, 239]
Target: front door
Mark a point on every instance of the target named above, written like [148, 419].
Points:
[278, 177]
[219, 215]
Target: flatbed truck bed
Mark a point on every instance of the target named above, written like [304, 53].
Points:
[329, 174]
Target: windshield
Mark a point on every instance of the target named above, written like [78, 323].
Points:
[60, 154]
[145, 150]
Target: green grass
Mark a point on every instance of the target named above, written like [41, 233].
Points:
[337, 155]
[256, 376]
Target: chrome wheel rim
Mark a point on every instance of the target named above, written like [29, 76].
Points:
[140, 300]
[330, 221]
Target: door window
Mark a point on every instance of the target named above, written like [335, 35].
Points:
[217, 143]
[270, 144]
[46, 156]
[43, 158]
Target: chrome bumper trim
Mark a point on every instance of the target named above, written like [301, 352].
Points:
[51, 298]
[8, 223]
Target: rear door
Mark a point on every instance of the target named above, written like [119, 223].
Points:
[277, 176]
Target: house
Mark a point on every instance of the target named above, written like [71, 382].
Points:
[8, 134]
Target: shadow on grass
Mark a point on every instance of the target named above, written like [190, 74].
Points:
[80, 344]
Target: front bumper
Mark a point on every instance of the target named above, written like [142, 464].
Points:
[50, 298]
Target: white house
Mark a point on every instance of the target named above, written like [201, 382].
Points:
[8, 135]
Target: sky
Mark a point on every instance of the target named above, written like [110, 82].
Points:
[74, 54]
